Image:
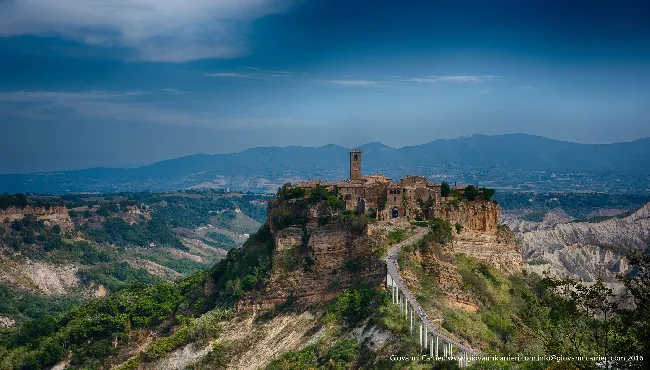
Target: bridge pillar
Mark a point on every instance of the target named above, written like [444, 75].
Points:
[399, 301]
[444, 349]
[406, 304]
[451, 349]
[431, 346]
[420, 335]
[410, 318]
[426, 336]
[437, 353]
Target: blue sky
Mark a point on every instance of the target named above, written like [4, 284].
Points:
[126, 82]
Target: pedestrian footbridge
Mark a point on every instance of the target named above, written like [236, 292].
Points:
[439, 345]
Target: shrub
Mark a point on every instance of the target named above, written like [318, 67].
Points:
[355, 304]
[288, 259]
[396, 236]
[355, 223]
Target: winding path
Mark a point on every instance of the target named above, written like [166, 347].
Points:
[401, 296]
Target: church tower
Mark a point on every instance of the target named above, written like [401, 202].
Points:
[355, 165]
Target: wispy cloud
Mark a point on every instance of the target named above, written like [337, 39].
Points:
[54, 96]
[230, 74]
[452, 78]
[155, 30]
[256, 73]
[360, 82]
[174, 91]
[123, 106]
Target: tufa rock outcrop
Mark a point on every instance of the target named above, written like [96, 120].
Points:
[318, 256]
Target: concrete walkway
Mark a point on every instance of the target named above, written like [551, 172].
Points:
[402, 296]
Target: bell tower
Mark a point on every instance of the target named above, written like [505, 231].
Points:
[355, 165]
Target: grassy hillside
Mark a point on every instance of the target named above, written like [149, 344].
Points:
[52, 263]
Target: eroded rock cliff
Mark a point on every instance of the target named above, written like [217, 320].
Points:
[588, 250]
[318, 256]
[499, 249]
[479, 215]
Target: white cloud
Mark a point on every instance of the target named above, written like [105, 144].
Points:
[360, 82]
[155, 30]
[255, 73]
[453, 78]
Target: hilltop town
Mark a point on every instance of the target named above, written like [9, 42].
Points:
[413, 197]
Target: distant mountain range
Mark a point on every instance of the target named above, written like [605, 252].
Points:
[260, 168]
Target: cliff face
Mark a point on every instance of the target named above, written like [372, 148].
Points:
[51, 216]
[318, 260]
[499, 249]
[479, 215]
[631, 232]
[587, 249]
[13, 212]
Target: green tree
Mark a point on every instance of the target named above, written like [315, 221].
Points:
[487, 194]
[445, 189]
[470, 193]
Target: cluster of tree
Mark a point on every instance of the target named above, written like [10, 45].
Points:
[88, 332]
[286, 192]
[115, 275]
[115, 230]
[17, 200]
[339, 356]
[285, 218]
[32, 237]
[243, 269]
[24, 305]
[470, 193]
[576, 320]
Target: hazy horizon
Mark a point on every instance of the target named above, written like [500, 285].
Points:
[106, 82]
[136, 165]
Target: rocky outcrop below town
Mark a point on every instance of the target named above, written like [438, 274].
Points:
[499, 249]
[478, 216]
[321, 252]
[317, 258]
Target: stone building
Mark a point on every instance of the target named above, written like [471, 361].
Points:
[414, 197]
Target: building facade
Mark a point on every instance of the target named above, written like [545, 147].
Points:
[414, 197]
